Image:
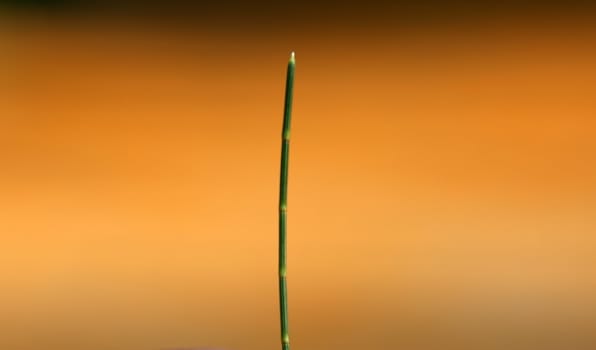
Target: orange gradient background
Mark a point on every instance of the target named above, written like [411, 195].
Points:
[442, 186]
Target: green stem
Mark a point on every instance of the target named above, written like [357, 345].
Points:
[283, 201]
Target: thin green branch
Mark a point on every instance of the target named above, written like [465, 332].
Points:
[283, 202]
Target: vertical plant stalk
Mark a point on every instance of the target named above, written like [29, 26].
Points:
[283, 205]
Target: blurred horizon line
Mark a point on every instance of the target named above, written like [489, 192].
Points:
[268, 15]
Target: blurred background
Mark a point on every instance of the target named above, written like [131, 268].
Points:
[442, 178]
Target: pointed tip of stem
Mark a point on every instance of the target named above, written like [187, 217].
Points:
[292, 57]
